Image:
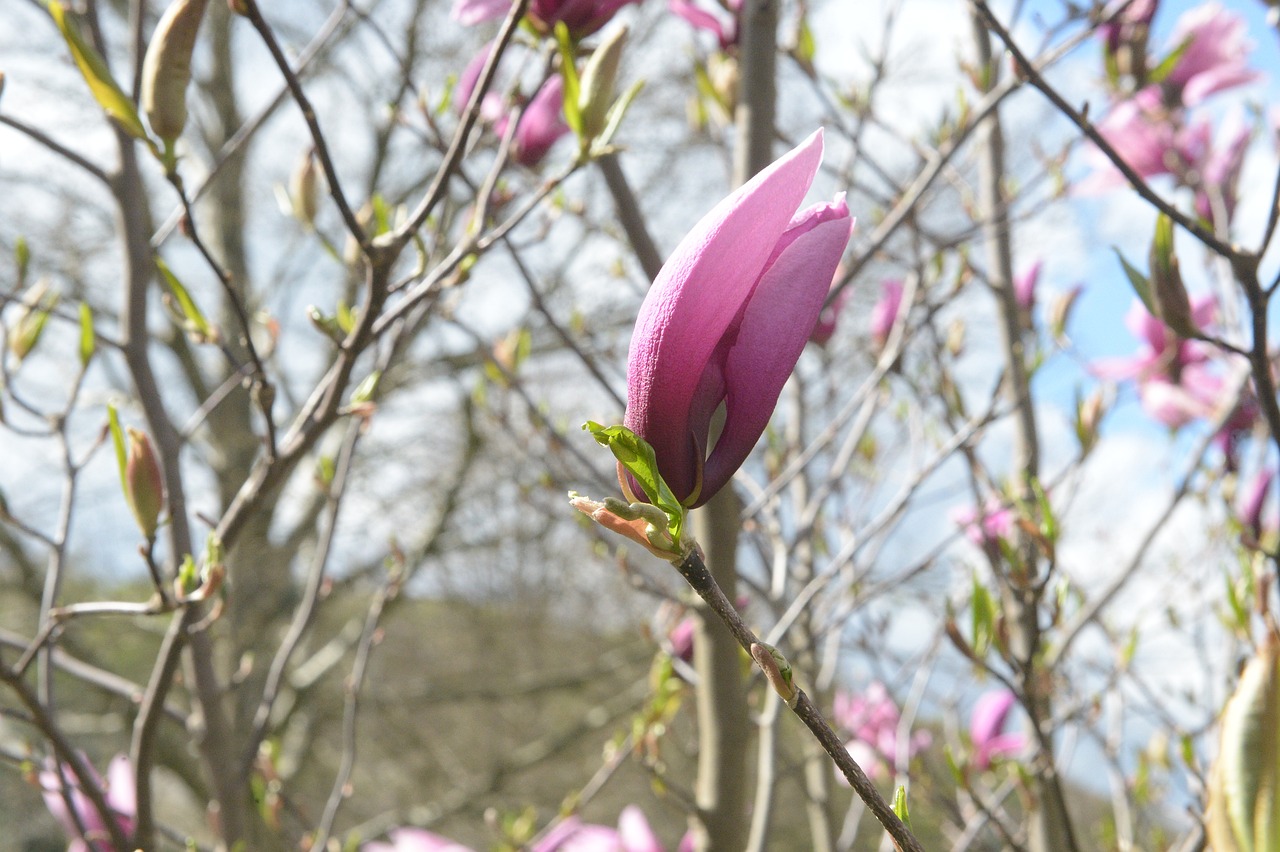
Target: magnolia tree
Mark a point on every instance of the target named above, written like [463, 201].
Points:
[927, 344]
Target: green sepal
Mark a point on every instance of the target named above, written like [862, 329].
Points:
[638, 458]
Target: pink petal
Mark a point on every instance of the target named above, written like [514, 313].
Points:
[701, 289]
[778, 320]
[635, 833]
[542, 123]
[990, 714]
[472, 12]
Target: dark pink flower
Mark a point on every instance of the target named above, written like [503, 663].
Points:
[541, 122]
[726, 320]
[582, 17]
[1215, 55]
[414, 840]
[724, 28]
[118, 790]
[872, 720]
[986, 728]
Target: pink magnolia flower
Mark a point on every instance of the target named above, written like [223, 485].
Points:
[633, 834]
[582, 17]
[1127, 22]
[1024, 286]
[885, 312]
[472, 12]
[1220, 173]
[873, 720]
[681, 638]
[119, 794]
[997, 523]
[1163, 353]
[1150, 139]
[1195, 396]
[541, 122]
[726, 320]
[986, 728]
[727, 32]
[414, 840]
[1215, 55]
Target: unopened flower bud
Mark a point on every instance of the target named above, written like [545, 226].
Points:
[1243, 779]
[1060, 312]
[143, 485]
[597, 86]
[26, 330]
[166, 70]
[1168, 293]
[304, 189]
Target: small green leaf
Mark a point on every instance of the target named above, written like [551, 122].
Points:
[103, 86]
[806, 47]
[1141, 286]
[638, 458]
[616, 113]
[194, 321]
[22, 254]
[983, 618]
[88, 343]
[1166, 65]
[117, 439]
[900, 806]
[367, 388]
[569, 73]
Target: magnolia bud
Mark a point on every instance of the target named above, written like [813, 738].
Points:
[166, 70]
[26, 331]
[595, 95]
[1168, 294]
[303, 189]
[1244, 777]
[143, 486]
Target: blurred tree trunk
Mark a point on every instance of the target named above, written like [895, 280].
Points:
[1049, 826]
[723, 724]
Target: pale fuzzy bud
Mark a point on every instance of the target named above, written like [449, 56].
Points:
[304, 187]
[27, 329]
[726, 78]
[143, 484]
[1243, 780]
[166, 70]
[595, 95]
[1060, 312]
